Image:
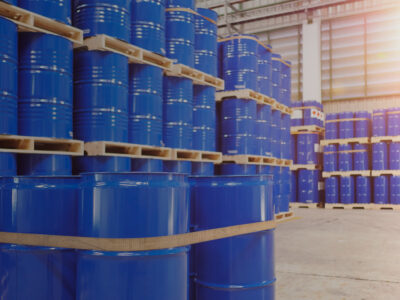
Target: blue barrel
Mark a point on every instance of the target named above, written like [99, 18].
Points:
[308, 186]
[178, 112]
[276, 133]
[362, 126]
[276, 191]
[181, 3]
[101, 164]
[180, 36]
[286, 189]
[263, 130]
[330, 158]
[321, 119]
[379, 156]
[297, 115]
[8, 164]
[41, 205]
[286, 83]
[381, 190]
[111, 17]
[311, 112]
[361, 157]
[141, 205]
[346, 127]
[307, 148]
[145, 104]
[264, 70]
[393, 121]
[293, 148]
[379, 122]
[202, 168]
[331, 128]
[285, 137]
[216, 201]
[148, 25]
[240, 62]
[44, 165]
[394, 156]
[363, 189]
[347, 190]
[45, 85]
[395, 189]
[100, 96]
[238, 123]
[276, 76]
[332, 190]
[237, 169]
[147, 165]
[59, 10]
[345, 157]
[179, 167]
[205, 42]
[9, 77]
[264, 170]
[294, 197]
[204, 118]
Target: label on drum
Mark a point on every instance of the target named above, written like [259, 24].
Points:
[321, 186]
[297, 114]
[317, 148]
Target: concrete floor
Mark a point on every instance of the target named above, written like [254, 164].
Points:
[339, 255]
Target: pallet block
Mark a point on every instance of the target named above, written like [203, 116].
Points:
[254, 160]
[303, 205]
[196, 155]
[366, 206]
[305, 167]
[284, 215]
[306, 128]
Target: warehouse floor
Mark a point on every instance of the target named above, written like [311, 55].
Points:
[339, 255]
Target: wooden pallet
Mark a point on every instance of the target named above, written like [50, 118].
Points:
[254, 160]
[40, 145]
[379, 139]
[284, 215]
[303, 205]
[307, 128]
[198, 77]
[196, 155]
[376, 173]
[364, 173]
[286, 162]
[345, 141]
[135, 54]
[305, 167]
[367, 206]
[32, 22]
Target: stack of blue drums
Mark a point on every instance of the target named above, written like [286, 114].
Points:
[263, 130]
[264, 70]
[286, 82]
[307, 187]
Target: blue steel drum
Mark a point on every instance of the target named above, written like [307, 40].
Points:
[286, 189]
[276, 76]
[100, 96]
[205, 43]
[145, 106]
[332, 189]
[308, 186]
[363, 125]
[330, 158]
[393, 121]
[293, 147]
[41, 205]
[331, 128]
[381, 190]
[379, 156]
[309, 112]
[347, 190]
[220, 60]
[148, 25]
[180, 3]
[263, 130]
[179, 167]
[178, 112]
[361, 157]
[44, 165]
[346, 127]
[345, 157]
[276, 133]
[286, 83]
[363, 189]
[264, 170]
[240, 267]
[59, 10]
[9, 77]
[297, 115]
[238, 124]
[264, 70]
[147, 165]
[394, 156]
[321, 121]
[101, 164]
[294, 197]
[395, 189]
[218, 135]
[133, 205]
[379, 122]
[204, 118]
[237, 169]
[111, 17]
[202, 168]
[307, 148]
[285, 137]
[8, 164]
[240, 62]
[45, 85]
[180, 36]
[277, 192]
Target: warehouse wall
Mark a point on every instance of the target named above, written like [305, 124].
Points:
[368, 104]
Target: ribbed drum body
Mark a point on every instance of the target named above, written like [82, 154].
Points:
[237, 169]
[264, 170]
[8, 164]
[111, 17]
[205, 43]
[147, 165]
[297, 115]
[294, 195]
[361, 157]
[179, 167]
[263, 130]
[362, 126]
[308, 186]
[181, 3]
[41, 205]
[204, 115]
[178, 112]
[381, 190]
[86, 164]
[44, 165]
[379, 156]
[332, 190]
[395, 189]
[285, 137]
[393, 121]
[202, 169]
[100, 96]
[286, 189]
[307, 148]
[145, 105]
[59, 10]
[240, 62]
[276, 191]
[276, 133]
[293, 147]
[346, 125]
[124, 205]
[331, 128]
[330, 158]
[347, 190]
[285, 90]
[9, 77]
[345, 157]
[264, 70]
[363, 189]
[238, 123]
[45, 85]
[394, 156]
[240, 267]
[275, 76]
[379, 122]
[148, 25]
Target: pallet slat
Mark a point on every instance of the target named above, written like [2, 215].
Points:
[305, 167]
[255, 160]
[306, 128]
[366, 206]
[365, 173]
[379, 139]
[303, 205]
[345, 141]
[376, 173]
[284, 215]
